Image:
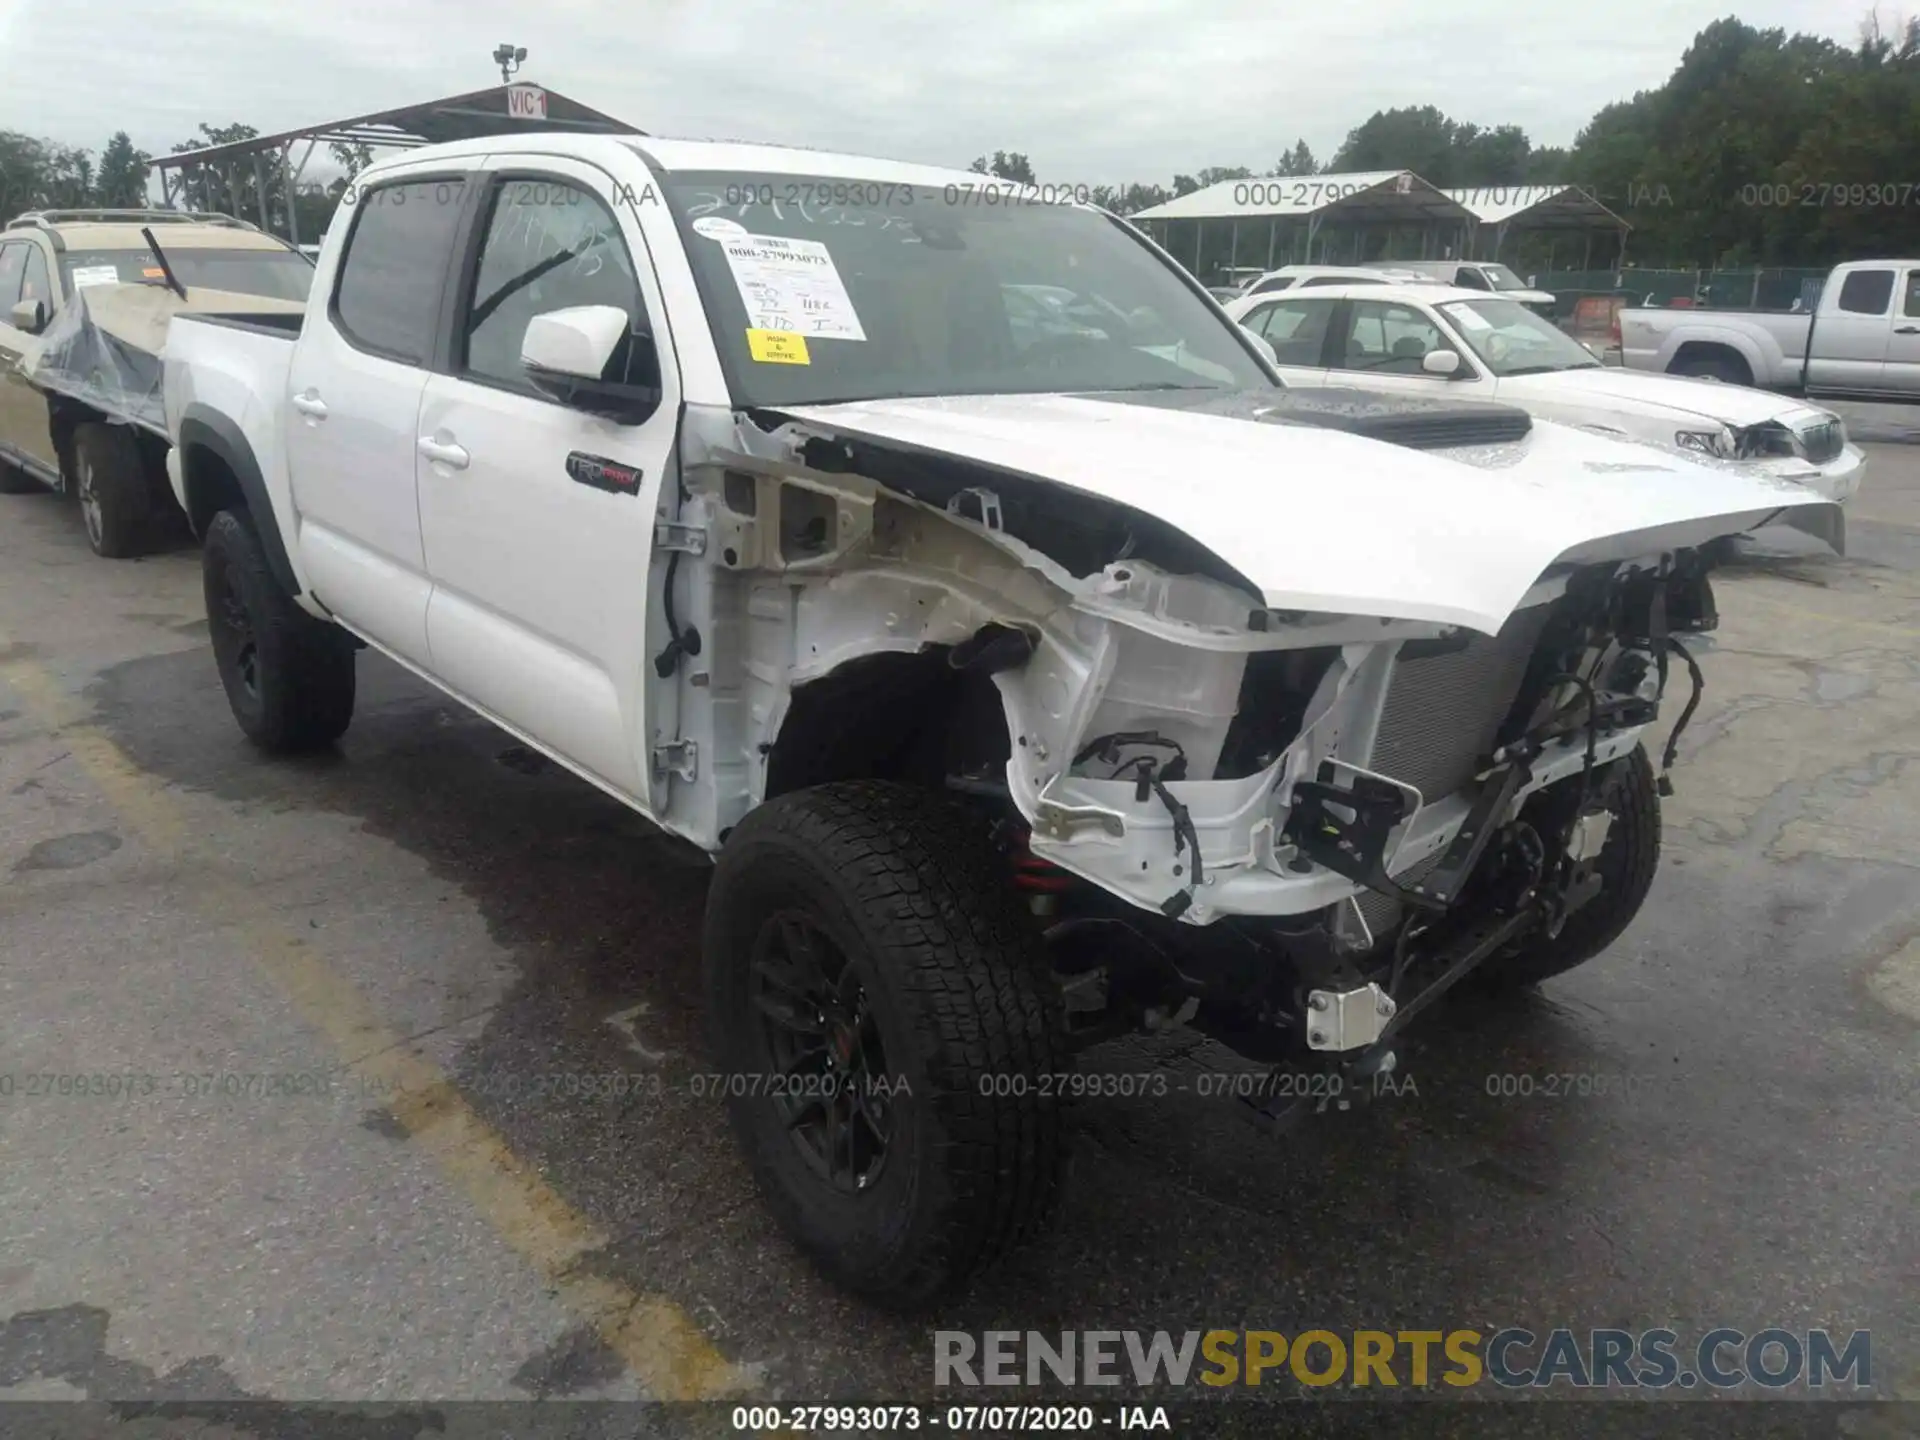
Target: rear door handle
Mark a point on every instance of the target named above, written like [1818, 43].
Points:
[1907, 330]
[444, 452]
[310, 405]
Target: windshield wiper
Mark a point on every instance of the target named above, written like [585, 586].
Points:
[1543, 369]
[1156, 385]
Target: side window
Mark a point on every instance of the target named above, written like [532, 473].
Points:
[34, 283]
[1910, 306]
[548, 245]
[1391, 338]
[1267, 287]
[1296, 329]
[1468, 278]
[387, 299]
[1867, 292]
[13, 263]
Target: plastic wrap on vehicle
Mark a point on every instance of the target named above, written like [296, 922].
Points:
[80, 358]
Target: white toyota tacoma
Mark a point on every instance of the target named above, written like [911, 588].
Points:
[1028, 681]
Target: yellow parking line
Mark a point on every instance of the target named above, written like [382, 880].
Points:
[664, 1348]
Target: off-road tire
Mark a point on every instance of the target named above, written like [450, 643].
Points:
[112, 489]
[1626, 867]
[289, 677]
[969, 1017]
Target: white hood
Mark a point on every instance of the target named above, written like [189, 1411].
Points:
[1650, 394]
[1327, 521]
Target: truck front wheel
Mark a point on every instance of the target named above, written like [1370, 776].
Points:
[288, 676]
[1626, 866]
[887, 1035]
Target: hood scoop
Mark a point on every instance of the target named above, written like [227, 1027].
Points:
[1412, 421]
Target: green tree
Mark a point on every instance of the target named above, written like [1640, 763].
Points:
[1005, 165]
[1297, 161]
[122, 180]
[37, 173]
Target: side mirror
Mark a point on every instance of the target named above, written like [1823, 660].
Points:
[1263, 345]
[29, 315]
[587, 356]
[1441, 362]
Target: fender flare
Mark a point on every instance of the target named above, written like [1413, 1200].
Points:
[1746, 346]
[204, 428]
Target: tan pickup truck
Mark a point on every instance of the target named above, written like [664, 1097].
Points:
[85, 302]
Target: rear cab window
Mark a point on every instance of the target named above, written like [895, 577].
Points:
[1297, 330]
[386, 300]
[1867, 292]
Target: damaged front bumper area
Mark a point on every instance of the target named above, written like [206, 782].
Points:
[1412, 748]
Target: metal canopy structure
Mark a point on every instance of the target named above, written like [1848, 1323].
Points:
[1255, 216]
[499, 110]
[1563, 209]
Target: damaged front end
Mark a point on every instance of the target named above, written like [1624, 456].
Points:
[1294, 829]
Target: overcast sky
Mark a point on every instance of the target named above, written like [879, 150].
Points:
[1092, 90]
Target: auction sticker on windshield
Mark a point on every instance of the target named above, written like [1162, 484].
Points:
[791, 285]
[85, 275]
[778, 347]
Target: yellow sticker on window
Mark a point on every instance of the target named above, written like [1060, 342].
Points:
[777, 347]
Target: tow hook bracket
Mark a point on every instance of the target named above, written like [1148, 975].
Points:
[1348, 828]
[1347, 1019]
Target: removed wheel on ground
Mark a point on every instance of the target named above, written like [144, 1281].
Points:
[110, 482]
[1626, 866]
[883, 1020]
[289, 677]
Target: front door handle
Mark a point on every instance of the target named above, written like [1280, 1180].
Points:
[1907, 330]
[444, 452]
[310, 404]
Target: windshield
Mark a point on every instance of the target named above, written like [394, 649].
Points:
[1511, 340]
[278, 274]
[1504, 279]
[822, 290]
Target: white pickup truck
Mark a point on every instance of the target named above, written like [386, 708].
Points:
[1030, 683]
[1860, 342]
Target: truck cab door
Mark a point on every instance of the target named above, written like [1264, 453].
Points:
[354, 389]
[538, 516]
[1902, 374]
[1850, 333]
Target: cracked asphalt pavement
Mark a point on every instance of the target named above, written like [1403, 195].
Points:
[406, 1038]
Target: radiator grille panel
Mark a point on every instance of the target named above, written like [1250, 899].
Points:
[1443, 713]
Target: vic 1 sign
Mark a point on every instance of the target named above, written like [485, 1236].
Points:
[526, 102]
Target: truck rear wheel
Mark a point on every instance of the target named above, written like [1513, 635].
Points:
[885, 1027]
[110, 482]
[289, 677]
[1626, 868]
